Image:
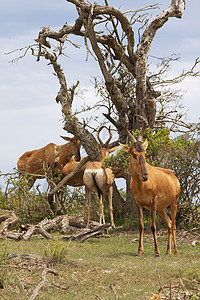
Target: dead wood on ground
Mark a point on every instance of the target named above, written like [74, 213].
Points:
[42, 282]
[71, 225]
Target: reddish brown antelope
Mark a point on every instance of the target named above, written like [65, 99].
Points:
[99, 179]
[36, 163]
[153, 188]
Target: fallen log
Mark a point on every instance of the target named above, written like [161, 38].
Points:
[47, 224]
[25, 256]
[87, 234]
[81, 222]
[64, 224]
[5, 217]
[42, 228]
[14, 235]
[67, 225]
[8, 220]
[78, 222]
[44, 233]
[27, 235]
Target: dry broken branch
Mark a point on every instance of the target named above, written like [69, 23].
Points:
[88, 234]
[175, 291]
[42, 282]
[65, 179]
[25, 256]
[66, 224]
[6, 221]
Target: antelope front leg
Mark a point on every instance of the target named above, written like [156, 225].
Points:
[153, 225]
[141, 230]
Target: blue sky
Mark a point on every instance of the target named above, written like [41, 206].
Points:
[29, 116]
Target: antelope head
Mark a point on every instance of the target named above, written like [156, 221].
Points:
[138, 150]
[74, 146]
[104, 147]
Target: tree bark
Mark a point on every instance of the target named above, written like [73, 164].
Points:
[145, 105]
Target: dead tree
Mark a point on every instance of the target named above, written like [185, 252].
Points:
[109, 36]
[113, 43]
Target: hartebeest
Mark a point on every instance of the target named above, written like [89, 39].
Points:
[36, 163]
[153, 188]
[99, 179]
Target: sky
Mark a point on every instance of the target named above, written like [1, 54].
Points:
[30, 118]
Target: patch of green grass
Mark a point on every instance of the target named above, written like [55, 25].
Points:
[93, 268]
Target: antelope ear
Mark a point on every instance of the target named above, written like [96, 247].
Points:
[125, 148]
[113, 149]
[145, 144]
[65, 138]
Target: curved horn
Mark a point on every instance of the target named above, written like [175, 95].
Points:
[108, 140]
[98, 132]
[131, 137]
[105, 145]
[144, 126]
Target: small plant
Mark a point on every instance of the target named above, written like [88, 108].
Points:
[3, 254]
[193, 275]
[56, 251]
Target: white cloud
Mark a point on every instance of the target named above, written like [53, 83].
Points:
[27, 129]
[191, 45]
[191, 100]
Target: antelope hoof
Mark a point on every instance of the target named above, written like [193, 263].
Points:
[175, 251]
[139, 253]
[168, 252]
[157, 254]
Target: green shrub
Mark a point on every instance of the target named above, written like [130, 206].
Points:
[56, 251]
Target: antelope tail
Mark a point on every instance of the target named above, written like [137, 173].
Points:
[99, 191]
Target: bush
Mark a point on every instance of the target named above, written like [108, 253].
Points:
[56, 251]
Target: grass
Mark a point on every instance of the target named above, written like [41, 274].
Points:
[96, 269]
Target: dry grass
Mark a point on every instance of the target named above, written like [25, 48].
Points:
[101, 268]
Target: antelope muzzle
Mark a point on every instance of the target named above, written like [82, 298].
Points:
[144, 173]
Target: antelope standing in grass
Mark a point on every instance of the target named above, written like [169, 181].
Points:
[99, 179]
[36, 163]
[153, 188]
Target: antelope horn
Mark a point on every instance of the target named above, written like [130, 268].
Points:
[108, 141]
[144, 126]
[131, 137]
[100, 141]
